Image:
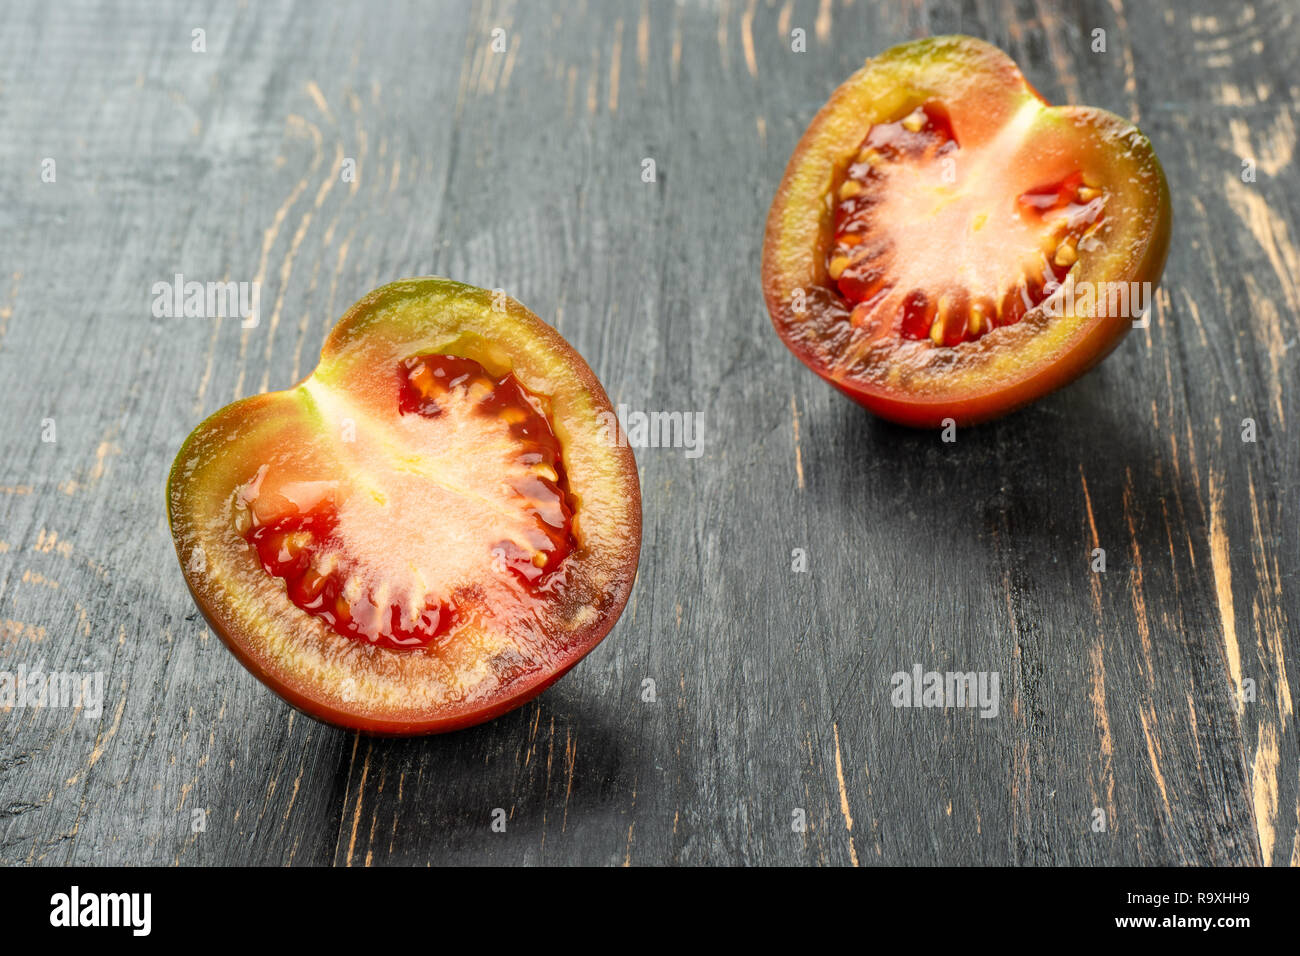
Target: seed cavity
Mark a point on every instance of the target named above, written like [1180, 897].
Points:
[333, 542]
[1056, 222]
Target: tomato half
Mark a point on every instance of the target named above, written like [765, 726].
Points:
[426, 532]
[945, 244]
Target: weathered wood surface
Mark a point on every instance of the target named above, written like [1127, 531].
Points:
[522, 170]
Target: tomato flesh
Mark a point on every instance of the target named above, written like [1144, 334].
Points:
[304, 550]
[932, 219]
[430, 383]
[297, 536]
[427, 531]
[866, 260]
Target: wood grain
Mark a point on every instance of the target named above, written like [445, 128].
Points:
[521, 170]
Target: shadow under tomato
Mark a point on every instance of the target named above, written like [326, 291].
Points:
[1027, 498]
[544, 767]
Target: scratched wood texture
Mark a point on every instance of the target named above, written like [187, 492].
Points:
[522, 170]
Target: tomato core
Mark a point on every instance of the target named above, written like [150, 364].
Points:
[925, 248]
[305, 532]
[430, 381]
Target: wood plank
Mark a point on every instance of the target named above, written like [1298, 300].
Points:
[522, 170]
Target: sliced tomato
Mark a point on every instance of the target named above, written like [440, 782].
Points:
[946, 245]
[429, 530]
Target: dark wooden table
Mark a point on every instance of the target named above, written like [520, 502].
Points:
[522, 169]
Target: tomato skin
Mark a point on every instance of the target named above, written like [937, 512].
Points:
[238, 642]
[984, 88]
[397, 692]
